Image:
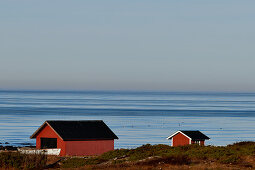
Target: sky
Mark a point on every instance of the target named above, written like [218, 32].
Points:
[165, 45]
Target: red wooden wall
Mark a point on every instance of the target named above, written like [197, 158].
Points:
[180, 140]
[89, 147]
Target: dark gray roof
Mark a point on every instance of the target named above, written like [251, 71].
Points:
[80, 130]
[195, 135]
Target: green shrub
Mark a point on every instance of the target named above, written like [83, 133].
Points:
[232, 159]
[79, 162]
[118, 161]
[94, 161]
[148, 150]
[243, 143]
[118, 153]
[73, 163]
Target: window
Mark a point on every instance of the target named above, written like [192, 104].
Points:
[197, 142]
[48, 143]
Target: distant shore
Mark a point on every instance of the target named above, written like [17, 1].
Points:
[6, 146]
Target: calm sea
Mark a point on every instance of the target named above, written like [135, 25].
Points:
[136, 117]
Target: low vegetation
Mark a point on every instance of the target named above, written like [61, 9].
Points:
[17, 160]
[236, 156]
[240, 154]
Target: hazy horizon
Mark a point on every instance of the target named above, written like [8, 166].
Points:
[128, 91]
[127, 45]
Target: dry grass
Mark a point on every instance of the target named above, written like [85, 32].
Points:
[15, 160]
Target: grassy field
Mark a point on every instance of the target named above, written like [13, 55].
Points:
[236, 156]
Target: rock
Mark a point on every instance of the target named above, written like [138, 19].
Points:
[10, 148]
[26, 144]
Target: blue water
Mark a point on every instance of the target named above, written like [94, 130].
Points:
[136, 117]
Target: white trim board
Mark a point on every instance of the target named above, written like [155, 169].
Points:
[170, 137]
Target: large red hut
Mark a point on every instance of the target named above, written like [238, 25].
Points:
[185, 137]
[90, 137]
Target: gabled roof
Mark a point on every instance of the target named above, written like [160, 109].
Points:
[78, 130]
[193, 135]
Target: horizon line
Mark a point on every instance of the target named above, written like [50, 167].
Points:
[123, 90]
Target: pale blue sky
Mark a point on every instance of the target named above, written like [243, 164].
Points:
[204, 45]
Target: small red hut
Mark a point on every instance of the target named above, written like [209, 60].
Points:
[186, 137]
[90, 137]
